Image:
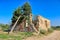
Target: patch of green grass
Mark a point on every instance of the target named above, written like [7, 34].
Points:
[6, 36]
[28, 34]
[16, 36]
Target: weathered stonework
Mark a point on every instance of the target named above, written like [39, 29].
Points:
[30, 18]
[43, 23]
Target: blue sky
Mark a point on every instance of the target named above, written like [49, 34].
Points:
[49, 9]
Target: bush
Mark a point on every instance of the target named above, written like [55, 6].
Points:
[50, 30]
[4, 26]
[43, 31]
[57, 28]
[54, 28]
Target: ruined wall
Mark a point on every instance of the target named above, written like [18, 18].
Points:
[43, 23]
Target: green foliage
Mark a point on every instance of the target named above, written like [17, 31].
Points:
[50, 30]
[4, 26]
[56, 27]
[16, 14]
[16, 36]
[20, 20]
[26, 8]
[28, 34]
[7, 37]
[42, 31]
[25, 34]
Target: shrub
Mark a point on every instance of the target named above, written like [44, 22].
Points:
[43, 31]
[4, 26]
[57, 28]
[50, 30]
[54, 28]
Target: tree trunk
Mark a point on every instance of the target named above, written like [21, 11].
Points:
[14, 25]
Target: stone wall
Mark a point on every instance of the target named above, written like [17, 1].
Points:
[43, 23]
[30, 18]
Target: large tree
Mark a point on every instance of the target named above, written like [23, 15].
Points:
[26, 10]
[17, 19]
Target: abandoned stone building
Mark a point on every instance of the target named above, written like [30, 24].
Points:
[36, 25]
[42, 23]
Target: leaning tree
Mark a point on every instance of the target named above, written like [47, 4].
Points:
[17, 18]
[16, 14]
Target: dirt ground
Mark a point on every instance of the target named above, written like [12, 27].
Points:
[53, 36]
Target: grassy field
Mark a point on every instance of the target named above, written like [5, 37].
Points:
[14, 36]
